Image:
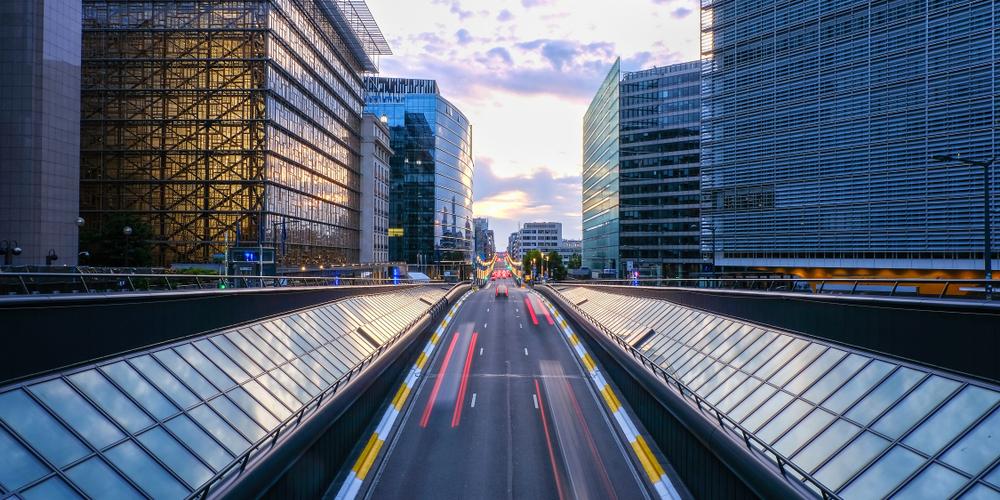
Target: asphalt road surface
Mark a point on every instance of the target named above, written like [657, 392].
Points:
[505, 411]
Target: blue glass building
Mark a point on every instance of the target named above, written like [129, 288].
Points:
[600, 175]
[819, 123]
[430, 186]
[641, 198]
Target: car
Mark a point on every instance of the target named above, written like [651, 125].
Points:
[501, 292]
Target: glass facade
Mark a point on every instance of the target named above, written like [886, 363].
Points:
[161, 423]
[819, 123]
[862, 425]
[430, 186]
[39, 135]
[236, 119]
[659, 195]
[600, 175]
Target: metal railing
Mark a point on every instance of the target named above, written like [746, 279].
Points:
[752, 442]
[31, 283]
[885, 287]
[268, 442]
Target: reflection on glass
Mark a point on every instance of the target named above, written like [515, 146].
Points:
[239, 420]
[53, 487]
[884, 395]
[850, 460]
[814, 453]
[151, 399]
[784, 420]
[40, 429]
[176, 457]
[884, 475]
[166, 382]
[951, 419]
[915, 406]
[113, 402]
[935, 481]
[833, 379]
[145, 472]
[218, 428]
[803, 431]
[190, 434]
[18, 466]
[98, 480]
[978, 448]
[856, 386]
[251, 407]
[77, 412]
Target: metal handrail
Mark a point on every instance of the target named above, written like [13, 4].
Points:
[748, 438]
[889, 287]
[35, 283]
[271, 438]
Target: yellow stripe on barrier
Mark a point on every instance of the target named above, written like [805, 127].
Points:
[589, 362]
[364, 454]
[421, 360]
[610, 398]
[573, 340]
[435, 338]
[404, 391]
[657, 468]
[369, 460]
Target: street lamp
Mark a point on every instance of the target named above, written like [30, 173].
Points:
[987, 251]
[127, 231]
[9, 248]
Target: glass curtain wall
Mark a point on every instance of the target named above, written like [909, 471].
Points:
[600, 176]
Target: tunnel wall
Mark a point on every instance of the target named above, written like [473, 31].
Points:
[45, 333]
[961, 336]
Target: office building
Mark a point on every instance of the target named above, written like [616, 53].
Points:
[820, 121]
[600, 175]
[569, 248]
[430, 187]
[514, 245]
[227, 121]
[480, 227]
[542, 236]
[641, 177]
[375, 155]
[39, 133]
[491, 245]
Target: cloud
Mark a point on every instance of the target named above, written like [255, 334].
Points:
[463, 36]
[504, 16]
[534, 3]
[500, 53]
[540, 196]
[681, 12]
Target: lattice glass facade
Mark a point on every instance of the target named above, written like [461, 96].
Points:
[430, 202]
[162, 423]
[862, 425]
[600, 175]
[659, 195]
[216, 119]
[820, 119]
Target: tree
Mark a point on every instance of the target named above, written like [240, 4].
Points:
[528, 262]
[108, 245]
[575, 261]
[555, 266]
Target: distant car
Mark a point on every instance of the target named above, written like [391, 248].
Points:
[501, 292]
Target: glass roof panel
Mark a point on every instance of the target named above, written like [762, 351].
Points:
[77, 412]
[53, 487]
[936, 481]
[915, 406]
[176, 457]
[978, 448]
[20, 466]
[36, 426]
[111, 400]
[142, 391]
[952, 419]
[189, 433]
[851, 459]
[145, 472]
[981, 492]
[884, 475]
[98, 480]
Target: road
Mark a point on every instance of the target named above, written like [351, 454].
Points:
[505, 411]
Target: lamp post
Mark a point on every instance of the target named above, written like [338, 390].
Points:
[127, 231]
[9, 248]
[987, 251]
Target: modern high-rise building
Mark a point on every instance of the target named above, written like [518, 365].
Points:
[212, 121]
[514, 245]
[491, 245]
[820, 121]
[659, 195]
[430, 187]
[375, 155]
[480, 226]
[600, 175]
[641, 195]
[39, 131]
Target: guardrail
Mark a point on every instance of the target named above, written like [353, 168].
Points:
[266, 443]
[887, 287]
[752, 442]
[28, 283]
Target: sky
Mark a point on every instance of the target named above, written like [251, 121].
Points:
[524, 72]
